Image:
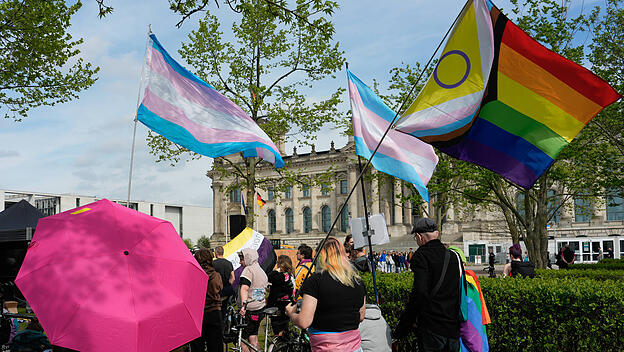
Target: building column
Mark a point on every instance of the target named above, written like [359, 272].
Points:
[356, 206]
[218, 209]
[398, 207]
[374, 194]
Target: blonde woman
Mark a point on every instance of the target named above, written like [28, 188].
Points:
[334, 302]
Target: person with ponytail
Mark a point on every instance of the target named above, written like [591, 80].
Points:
[282, 282]
[211, 338]
[334, 302]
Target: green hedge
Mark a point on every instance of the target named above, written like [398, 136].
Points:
[594, 274]
[606, 264]
[542, 314]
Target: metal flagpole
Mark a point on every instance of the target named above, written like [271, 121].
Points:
[368, 233]
[322, 243]
[149, 31]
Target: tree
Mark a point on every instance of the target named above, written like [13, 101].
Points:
[203, 242]
[263, 71]
[305, 11]
[449, 173]
[189, 243]
[585, 168]
[35, 54]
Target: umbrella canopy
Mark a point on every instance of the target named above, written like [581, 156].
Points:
[103, 277]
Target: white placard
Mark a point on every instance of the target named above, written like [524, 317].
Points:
[377, 223]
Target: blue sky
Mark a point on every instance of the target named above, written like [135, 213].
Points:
[84, 146]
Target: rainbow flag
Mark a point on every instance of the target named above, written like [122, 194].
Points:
[449, 101]
[535, 104]
[399, 155]
[190, 112]
[473, 333]
[254, 240]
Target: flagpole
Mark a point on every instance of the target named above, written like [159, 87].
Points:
[368, 235]
[322, 243]
[149, 31]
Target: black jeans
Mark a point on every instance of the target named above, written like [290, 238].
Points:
[430, 342]
[212, 338]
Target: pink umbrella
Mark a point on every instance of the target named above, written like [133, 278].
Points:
[107, 278]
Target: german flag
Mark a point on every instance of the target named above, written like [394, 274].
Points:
[259, 200]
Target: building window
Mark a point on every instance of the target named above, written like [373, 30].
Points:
[307, 220]
[288, 193]
[235, 196]
[344, 219]
[344, 187]
[615, 207]
[520, 204]
[306, 190]
[289, 221]
[151, 209]
[271, 221]
[324, 190]
[271, 194]
[77, 202]
[47, 205]
[325, 218]
[552, 204]
[582, 208]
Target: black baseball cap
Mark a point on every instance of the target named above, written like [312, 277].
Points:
[423, 225]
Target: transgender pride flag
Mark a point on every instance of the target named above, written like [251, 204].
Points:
[190, 112]
[399, 155]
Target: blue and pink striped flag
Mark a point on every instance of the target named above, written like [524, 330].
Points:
[399, 155]
[190, 112]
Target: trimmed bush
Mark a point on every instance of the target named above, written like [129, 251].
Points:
[606, 264]
[593, 274]
[542, 314]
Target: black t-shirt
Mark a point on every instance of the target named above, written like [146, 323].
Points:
[281, 288]
[338, 307]
[224, 268]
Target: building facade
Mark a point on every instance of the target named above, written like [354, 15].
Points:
[190, 221]
[305, 213]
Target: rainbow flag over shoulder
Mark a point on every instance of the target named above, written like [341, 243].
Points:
[473, 332]
[190, 112]
[536, 102]
[254, 240]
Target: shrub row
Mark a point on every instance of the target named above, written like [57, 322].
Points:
[593, 274]
[606, 264]
[541, 314]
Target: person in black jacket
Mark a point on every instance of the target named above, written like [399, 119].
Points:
[435, 315]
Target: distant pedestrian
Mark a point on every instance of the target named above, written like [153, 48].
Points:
[304, 255]
[567, 257]
[610, 253]
[600, 254]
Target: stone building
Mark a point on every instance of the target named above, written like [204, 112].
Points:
[304, 214]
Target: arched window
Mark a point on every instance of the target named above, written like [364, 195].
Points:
[582, 208]
[344, 219]
[289, 221]
[307, 220]
[520, 203]
[235, 196]
[552, 202]
[271, 221]
[325, 218]
[615, 208]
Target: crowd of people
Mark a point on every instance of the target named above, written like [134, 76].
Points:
[329, 298]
